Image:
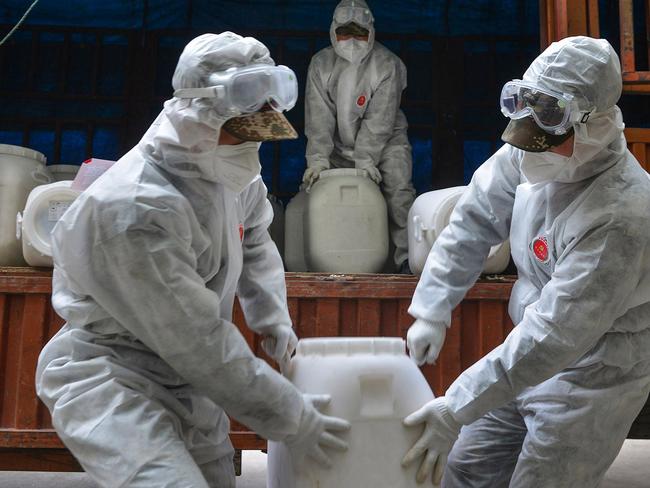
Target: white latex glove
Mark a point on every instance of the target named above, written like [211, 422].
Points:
[311, 174]
[373, 172]
[440, 433]
[316, 432]
[279, 342]
[424, 340]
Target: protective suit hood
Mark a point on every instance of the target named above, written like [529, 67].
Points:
[184, 139]
[588, 69]
[362, 48]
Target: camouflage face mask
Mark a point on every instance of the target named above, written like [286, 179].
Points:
[261, 126]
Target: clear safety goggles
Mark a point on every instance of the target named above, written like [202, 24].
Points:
[248, 89]
[553, 112]
[360, 15]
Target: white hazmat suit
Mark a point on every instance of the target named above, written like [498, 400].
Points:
[353, 119]
[551, 406]
[147, 265]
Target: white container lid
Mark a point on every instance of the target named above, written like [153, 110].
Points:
[349, 346]
[36, 215]
[24, 152]
[343, 172]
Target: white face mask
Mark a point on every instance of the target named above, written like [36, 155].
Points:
[352, 50]
[544, 166]
[236, 166]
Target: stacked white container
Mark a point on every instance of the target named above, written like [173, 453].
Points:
[21, 169]
[44, 208]
[374, 386]
[429, 215]
[294, 241]
[346, 224]
[62, 172]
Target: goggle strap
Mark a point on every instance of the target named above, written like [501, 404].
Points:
[205, 92]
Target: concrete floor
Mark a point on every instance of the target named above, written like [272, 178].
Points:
[630, 470]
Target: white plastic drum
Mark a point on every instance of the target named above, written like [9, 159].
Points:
[294, 241]
[45, 207]
[276, 229]
[63, 172]
[374, 386]
[429, 215]
[21, 169]
[346, 224]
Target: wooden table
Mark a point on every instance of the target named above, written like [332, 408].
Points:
[320, 305]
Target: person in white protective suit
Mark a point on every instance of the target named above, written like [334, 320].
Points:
[148, 261]
[552, 405]
[353, 117]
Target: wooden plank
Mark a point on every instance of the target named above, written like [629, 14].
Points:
[369, 318]
[633, 135]
[25, 280]
[327, 317]
[561, 24]
[449, 362]
[636, 77]
[576, 17]
[294, 310]
[545, 23]
[54, 460]
[4, 332]
[306, 326]
[635, 88]
[349, 317]
[11, 359]
[626, 15]
[31, 341]
[26, 438]
[593, 19]
[490, 316]
[470, 334]
[389, 322]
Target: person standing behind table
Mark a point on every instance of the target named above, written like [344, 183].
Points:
[353, 117]
[552, 405]
[148, 261]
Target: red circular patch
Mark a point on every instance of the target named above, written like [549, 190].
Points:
[361, 101]
[540, 249]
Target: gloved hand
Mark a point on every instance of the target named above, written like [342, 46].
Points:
[373, 172]
[424, 340]
[316, 431]
[311, 174]
[279, 342]
[440, 433]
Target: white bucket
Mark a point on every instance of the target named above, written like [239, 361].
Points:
[63, 172]
[427, 218]
[21, 169]
[294, 241]
[276, 229]
[45, 207]
[346, 224]
[374, 386]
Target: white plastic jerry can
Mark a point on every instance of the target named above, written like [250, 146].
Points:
[294, 241]
[427, 218]
[374, 386]
[45, 206]
[346, 224]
